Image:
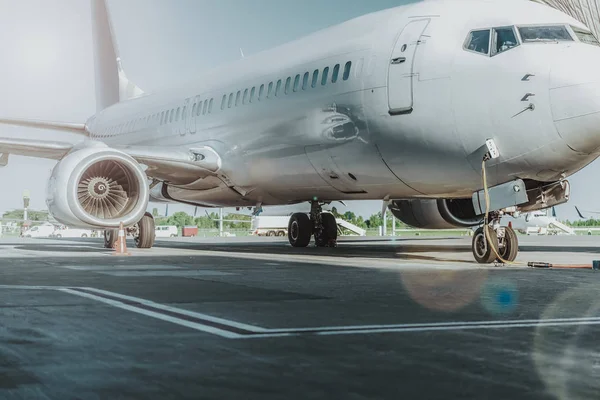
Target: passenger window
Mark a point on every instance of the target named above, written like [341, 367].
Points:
[223, 101]
[315, 78]
[162, 117]
[504, 39]
[305, 81]
[183, 114]
[199, 110]
[252, 93]
[296, 82]
[479, 41]
[336, 72]
[288, 82]
[278, 89]
[325, 76]
[205, 107]
[347, 68]
[178, 114]
[230, 100]
[270, 90]
[172, 116]
[194, 109]
[238, 97]
[245, 101]
[210, 105]
[261, 92]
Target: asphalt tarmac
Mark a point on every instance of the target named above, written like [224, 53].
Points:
[233, 318]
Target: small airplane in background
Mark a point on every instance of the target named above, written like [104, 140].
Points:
[589, 212]
[540, 222]
[586, 228]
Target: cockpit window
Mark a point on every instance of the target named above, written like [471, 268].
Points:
[504, 39]
[544, 33]
[585, 36]
[479, 41]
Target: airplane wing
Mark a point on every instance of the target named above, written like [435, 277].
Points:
[34, 148]
[164, 163]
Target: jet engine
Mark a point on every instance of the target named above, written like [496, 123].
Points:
[97, 187]
[436, 213]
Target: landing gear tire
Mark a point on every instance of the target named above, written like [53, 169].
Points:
[299, 230]
[482, 251]
[110, 236]
[328, 234]
[145, 234]
[508, 244]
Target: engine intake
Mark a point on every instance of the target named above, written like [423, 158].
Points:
[108, 190]
[98, 188]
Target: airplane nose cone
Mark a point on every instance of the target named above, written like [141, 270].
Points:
[575, 99]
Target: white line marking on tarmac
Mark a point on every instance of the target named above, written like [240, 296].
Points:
[210, 318]
[177, 321]
[236, 330]
[176, 273]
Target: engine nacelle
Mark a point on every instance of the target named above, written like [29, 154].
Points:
[436, 213]
[97, 187]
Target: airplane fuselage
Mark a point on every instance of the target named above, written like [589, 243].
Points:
[391, 104]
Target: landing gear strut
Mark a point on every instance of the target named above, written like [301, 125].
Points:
[495, 243]
[322, 225]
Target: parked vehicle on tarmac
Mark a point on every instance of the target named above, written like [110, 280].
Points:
[66, 232]
[270, 225]
[39, 231]
[166, 231]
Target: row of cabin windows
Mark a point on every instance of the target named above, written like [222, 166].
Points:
[301, 82]
[202, 108]
[248, 96]
[165, 117]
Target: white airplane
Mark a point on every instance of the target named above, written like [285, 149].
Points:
[542, 222]
[403, 105]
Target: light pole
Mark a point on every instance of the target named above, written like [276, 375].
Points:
[25, 204]
[220, 222]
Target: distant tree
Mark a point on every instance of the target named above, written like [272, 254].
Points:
[375, 220]
[180, 219]
[335, 212]
[32, 215]
[350, 216]
[155, 212]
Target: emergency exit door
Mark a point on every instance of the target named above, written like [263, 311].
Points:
[401, 68]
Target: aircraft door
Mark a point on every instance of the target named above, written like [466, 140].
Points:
[401, 68]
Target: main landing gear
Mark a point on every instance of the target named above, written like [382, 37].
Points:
[495, 243]
[322, 225]
[143, 233]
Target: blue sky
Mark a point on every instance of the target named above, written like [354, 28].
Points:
[46, 68]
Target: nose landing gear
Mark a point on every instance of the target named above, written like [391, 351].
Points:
[495, 243]
[322, 225]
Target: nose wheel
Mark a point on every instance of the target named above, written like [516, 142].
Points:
[489, 243]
